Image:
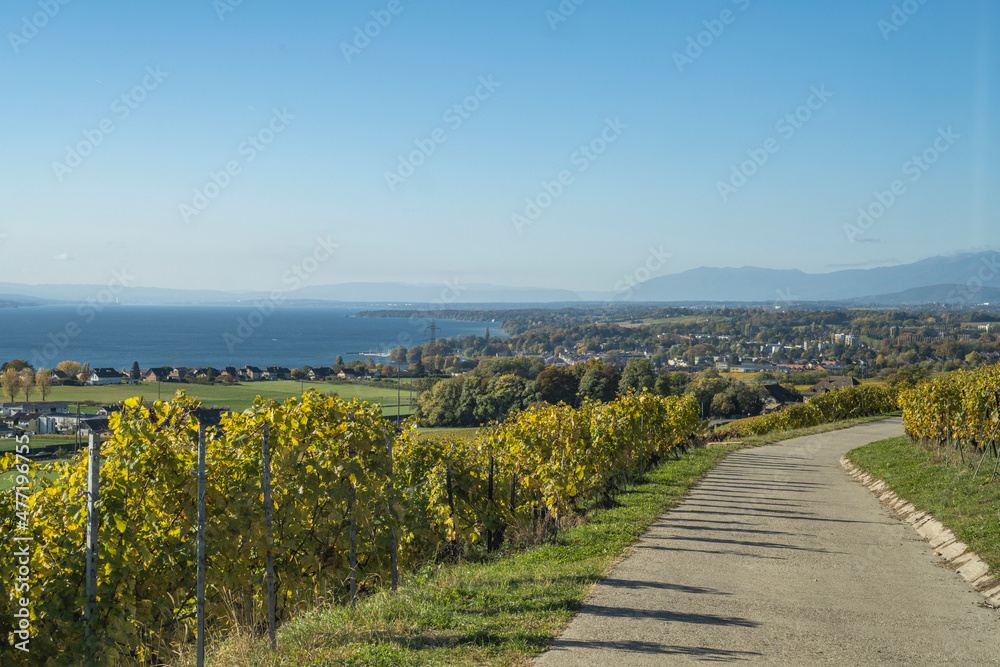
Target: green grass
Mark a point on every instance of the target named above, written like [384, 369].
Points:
[503, 612]
[969, 507]
[39, 469]
[8, 444]
[237, 397]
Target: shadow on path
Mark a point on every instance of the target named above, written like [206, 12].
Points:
[716, 529]
[628, 583]
[743, 543]
[727, 552]
[649, 648]
[799, 517]
[668, 616]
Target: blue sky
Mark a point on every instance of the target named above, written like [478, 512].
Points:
[338, 119]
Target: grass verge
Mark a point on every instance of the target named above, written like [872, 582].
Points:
[969, 507]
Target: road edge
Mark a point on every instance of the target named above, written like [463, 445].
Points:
[945, 543]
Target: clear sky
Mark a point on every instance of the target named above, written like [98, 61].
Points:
[311, 118]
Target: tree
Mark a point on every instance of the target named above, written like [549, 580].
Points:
[723, 405]
[600, 382]
[17, 364]
[613, 357]
[679, 381]
[136, 371]
[749, 398]
[398, 355]
[70, 368]
[908, 376]
[505, 394]
[472, 388]
[43, 381]
[10, 382]
[558, 386]
[439, 405]
[27, 383]
[705, 386]
[638, 376]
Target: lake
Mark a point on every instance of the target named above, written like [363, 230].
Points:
[217, 336]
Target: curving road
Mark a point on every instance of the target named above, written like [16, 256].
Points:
[777, 557]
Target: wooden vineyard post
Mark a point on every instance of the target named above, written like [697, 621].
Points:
[451, 493]
[491, 534]
[269, 560]
[987, 448]
[201, 546]
[513, 490]
[393, 567]
[93, 527]
[513, 494]
[354, 534]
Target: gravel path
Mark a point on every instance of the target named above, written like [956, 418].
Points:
[778, 557]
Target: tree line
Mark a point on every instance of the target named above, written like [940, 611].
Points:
[18, 378]
[499, 387]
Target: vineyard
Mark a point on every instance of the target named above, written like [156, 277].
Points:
[958, 411]
[849, 403]
[352, 500]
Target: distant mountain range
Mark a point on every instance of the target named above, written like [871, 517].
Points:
[933, 280]
[964, 279]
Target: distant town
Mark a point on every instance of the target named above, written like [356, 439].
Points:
[737, 361]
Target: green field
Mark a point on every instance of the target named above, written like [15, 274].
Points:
[236, 397]
[8, 444]
[7, 479]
